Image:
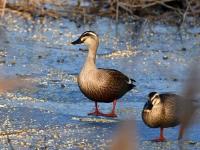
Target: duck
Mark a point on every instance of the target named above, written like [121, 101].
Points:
[99, 84]
[163, 110]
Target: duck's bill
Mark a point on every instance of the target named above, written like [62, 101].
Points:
[148, 106]
[78, 41]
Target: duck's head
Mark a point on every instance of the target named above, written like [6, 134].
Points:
[88, 38]
[153, 100]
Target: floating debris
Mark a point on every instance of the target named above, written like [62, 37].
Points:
[183, 49]
[3, 53]
[102, 120]
[3, 106]
[191, 142]
[39, 57]
[60, 61]
[62, 86]
[2, 61]
[165, 57]
[13, 62]
[121, 53]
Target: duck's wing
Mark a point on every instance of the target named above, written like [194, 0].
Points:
[170, 97]
[171, 100]
[172, 107]
[116, 78]
[106, 85]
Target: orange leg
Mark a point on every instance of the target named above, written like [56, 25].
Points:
[161, 138]
[112, 114]
[96, 112]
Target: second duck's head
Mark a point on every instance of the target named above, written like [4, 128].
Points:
[153, 100]
[89, 38]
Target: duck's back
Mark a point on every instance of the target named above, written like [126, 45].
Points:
[104, 85]
[166, 114]
[172, 109]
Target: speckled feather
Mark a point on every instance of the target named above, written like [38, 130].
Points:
[166, 114]
[104, 85]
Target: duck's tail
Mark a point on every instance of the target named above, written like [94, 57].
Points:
[131, 83]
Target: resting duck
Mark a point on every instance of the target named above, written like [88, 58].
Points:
[99, 84]
[163, 111]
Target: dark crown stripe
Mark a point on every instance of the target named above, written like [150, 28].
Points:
[89, 33]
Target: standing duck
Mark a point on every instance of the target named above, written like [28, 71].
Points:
[98, 84]
[163, 111]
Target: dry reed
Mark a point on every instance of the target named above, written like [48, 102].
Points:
[191, 94]
[13, 84]
[125, 138]
[2, 7]
[112, 8]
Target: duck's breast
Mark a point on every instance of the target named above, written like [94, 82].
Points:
[153, 118]
[89, 85]
[100, 86]
[164, 115]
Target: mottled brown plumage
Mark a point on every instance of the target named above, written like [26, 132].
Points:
[163, 111]
[98, 84]
[104, 85]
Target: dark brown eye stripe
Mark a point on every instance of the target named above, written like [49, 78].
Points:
[89, 33]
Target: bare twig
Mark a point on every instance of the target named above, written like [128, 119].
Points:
[170, 7]
[186, 11]
[117, 10]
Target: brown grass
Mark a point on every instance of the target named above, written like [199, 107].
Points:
[112, 8]
[140, 8]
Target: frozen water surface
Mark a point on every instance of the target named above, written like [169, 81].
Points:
[53, 114]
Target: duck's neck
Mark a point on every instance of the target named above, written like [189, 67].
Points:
[90, 62]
